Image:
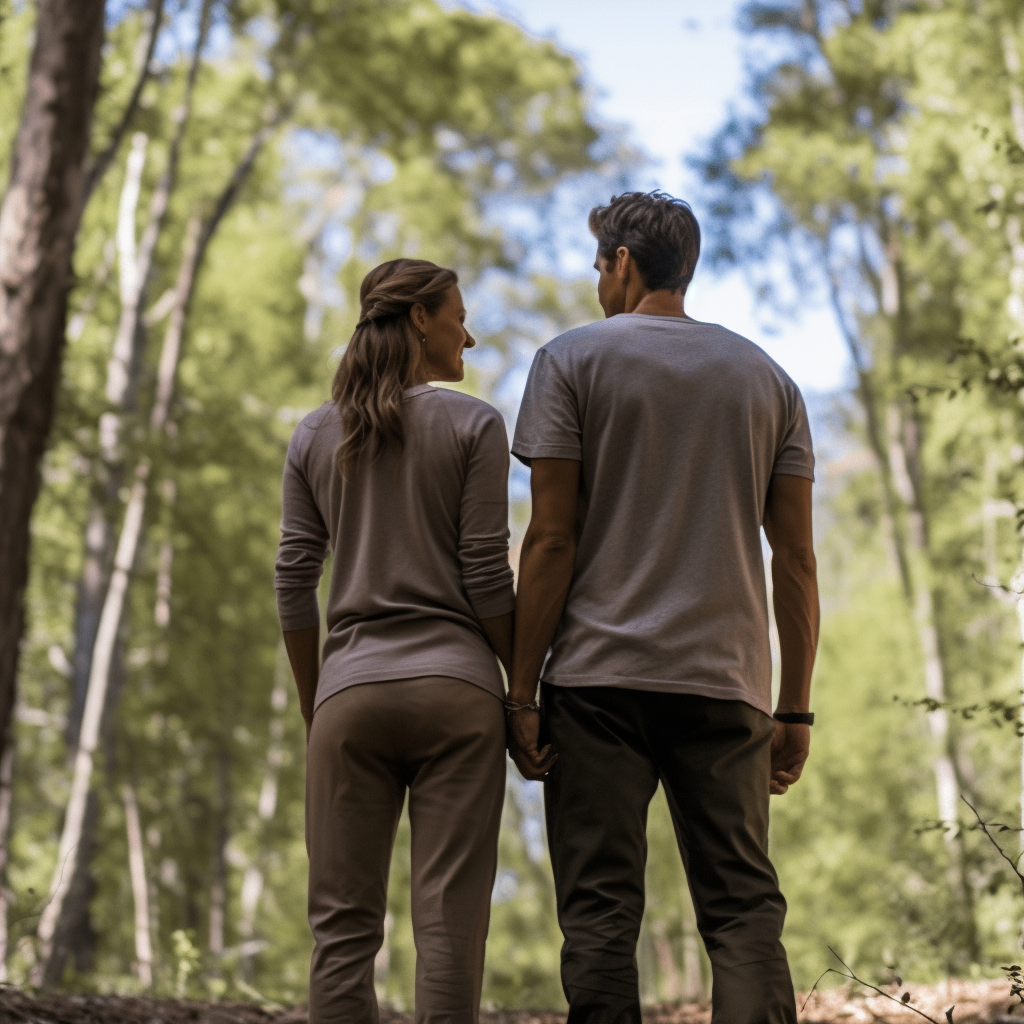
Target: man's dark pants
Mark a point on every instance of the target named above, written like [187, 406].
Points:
[713, 758]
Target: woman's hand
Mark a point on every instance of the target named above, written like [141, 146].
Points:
[523, 735]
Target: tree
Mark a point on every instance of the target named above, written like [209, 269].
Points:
[39, 220]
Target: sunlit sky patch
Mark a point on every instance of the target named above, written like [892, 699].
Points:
[669, 70]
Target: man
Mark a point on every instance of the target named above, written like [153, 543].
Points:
[659, 446]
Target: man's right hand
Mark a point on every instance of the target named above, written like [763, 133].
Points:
[523, 737]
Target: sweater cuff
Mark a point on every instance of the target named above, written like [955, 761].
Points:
[298, 609]
[491, 605]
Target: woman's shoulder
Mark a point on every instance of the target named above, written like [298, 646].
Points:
[466, 405]
[467, 412]
[312, 425]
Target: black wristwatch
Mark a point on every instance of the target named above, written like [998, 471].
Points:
[794, 717]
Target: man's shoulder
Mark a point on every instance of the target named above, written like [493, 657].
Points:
[746, 355]
[587, 335]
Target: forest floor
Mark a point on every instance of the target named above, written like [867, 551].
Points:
[974, 1002]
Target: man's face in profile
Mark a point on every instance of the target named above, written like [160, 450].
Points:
[611, 284]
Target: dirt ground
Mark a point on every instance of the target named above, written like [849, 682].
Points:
[974, 1002]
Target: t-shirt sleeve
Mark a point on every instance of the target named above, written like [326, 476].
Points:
[795, 454]
[483, 522]
[548, 426]
[303, 546]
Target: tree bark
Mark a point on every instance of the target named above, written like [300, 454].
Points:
[39, 221]
[140, 887]
[6, 794]
[252, 880]
[219, 888]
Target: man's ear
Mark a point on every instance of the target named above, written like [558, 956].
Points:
[622, 261]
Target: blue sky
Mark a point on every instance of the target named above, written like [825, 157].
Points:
[668, 70]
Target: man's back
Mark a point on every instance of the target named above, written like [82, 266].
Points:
[679, 426]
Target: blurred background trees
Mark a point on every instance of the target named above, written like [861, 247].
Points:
[151, 832]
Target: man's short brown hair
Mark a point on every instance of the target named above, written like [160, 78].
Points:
[660, 232]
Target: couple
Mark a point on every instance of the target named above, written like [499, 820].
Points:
[658, 448]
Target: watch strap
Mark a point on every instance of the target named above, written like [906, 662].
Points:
[794, 717]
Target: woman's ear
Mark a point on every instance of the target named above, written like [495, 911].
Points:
[418, 315]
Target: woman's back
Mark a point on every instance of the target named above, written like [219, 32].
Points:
[420, 542]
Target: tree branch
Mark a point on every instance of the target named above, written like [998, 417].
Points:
[100, 164]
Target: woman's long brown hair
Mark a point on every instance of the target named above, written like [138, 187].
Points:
[381, 358]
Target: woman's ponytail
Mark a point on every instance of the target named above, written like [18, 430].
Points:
[381, 358]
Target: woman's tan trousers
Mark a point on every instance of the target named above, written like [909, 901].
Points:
[443, 740]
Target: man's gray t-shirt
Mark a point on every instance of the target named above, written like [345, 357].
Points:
[679, 426]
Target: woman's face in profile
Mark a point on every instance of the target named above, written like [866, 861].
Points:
[446, 337]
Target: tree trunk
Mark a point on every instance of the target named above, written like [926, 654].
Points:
[693, 981]
[135, 265]
[671, 987]
[165, 561]
[252, 881]
[39, 220]
[198, 237]
[901, 475]
[98, 533]
[219, 888]
[6, 794]
[140, 887]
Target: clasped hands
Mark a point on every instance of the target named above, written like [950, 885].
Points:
[522, 730]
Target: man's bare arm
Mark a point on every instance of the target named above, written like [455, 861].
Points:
[303, 647]
[545, 572]
[787, 525]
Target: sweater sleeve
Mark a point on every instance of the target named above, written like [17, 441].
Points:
[483, 522]
[302, 549]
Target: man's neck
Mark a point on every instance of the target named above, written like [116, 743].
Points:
[659, 303]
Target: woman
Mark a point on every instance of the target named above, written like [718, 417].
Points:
[407, 485]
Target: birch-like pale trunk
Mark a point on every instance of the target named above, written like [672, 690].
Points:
[165, 562]
[671, 987]
[135, 267]
[110, 621]
[946, 785]
[197, 239]
[911, 556]
[693, 982]
[909, 538]
[98, 531]
[219, 888]
[140, 887]
[266, 807]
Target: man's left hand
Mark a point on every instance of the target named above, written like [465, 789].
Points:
[790, 747]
